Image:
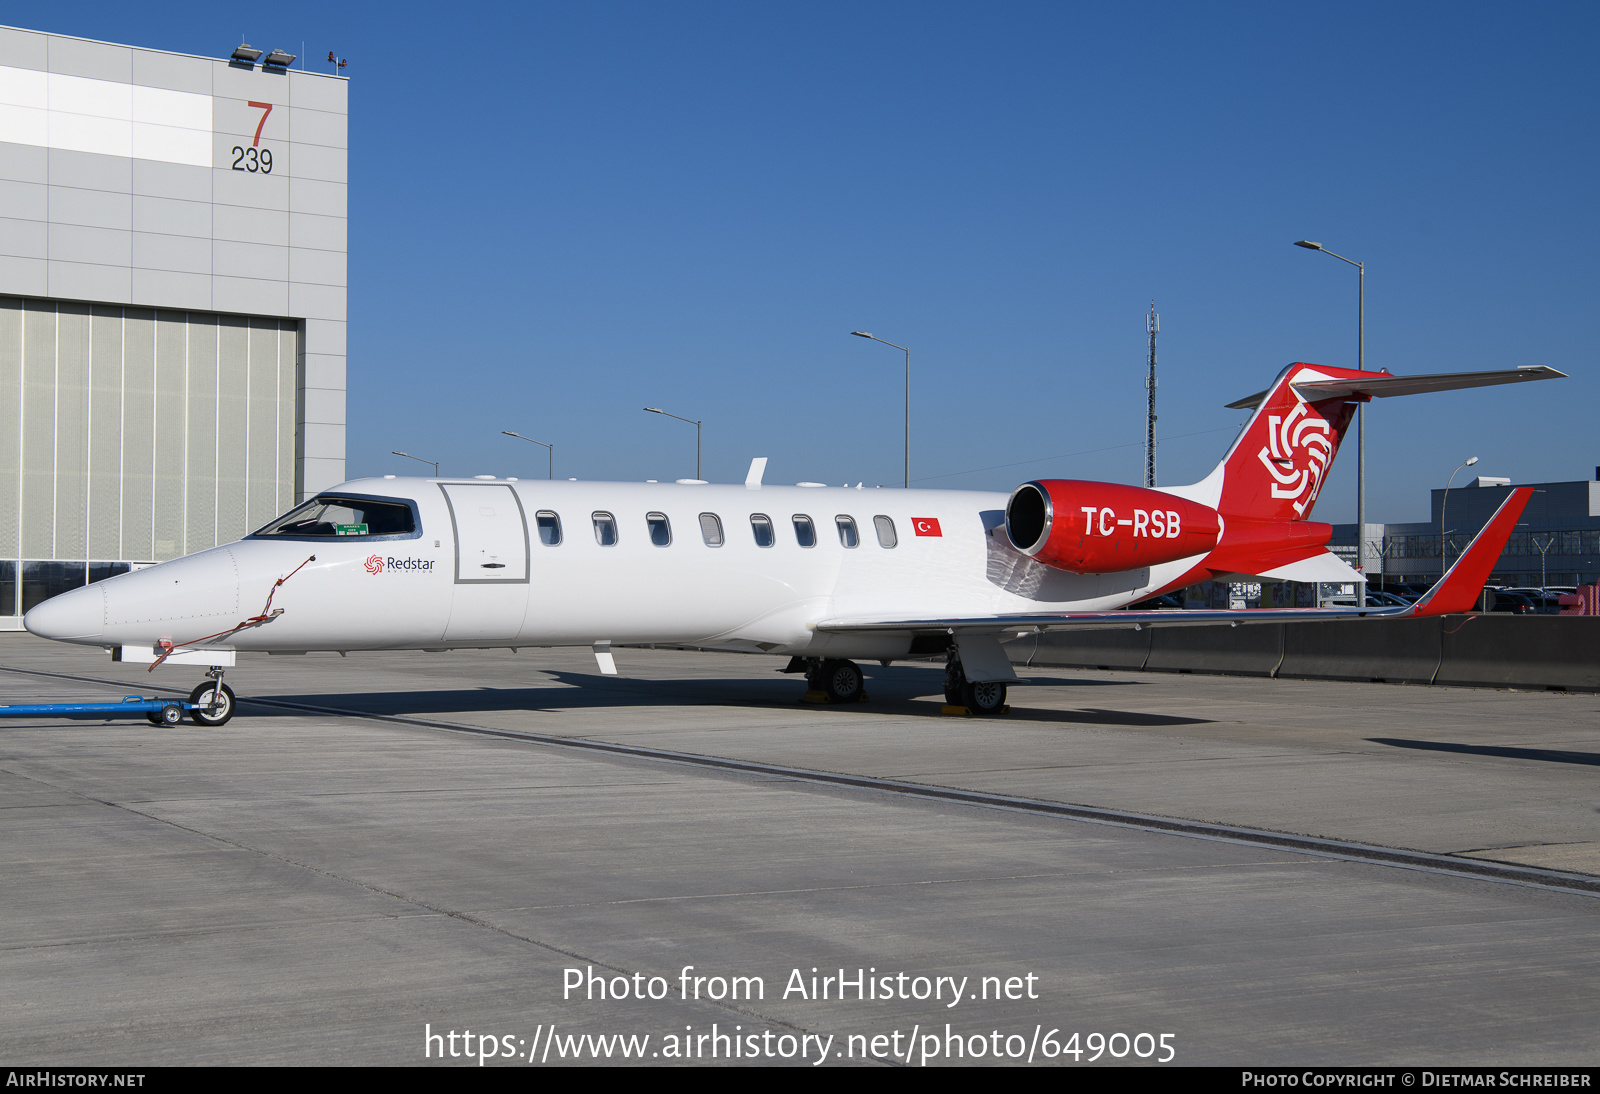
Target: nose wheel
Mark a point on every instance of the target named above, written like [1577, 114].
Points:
[213, 702]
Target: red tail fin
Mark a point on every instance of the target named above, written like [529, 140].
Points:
[1458, 590]
[1276, 468]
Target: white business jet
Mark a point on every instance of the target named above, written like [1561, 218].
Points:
[823, 576]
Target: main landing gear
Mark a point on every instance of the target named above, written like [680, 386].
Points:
[834, 680]
[981, 699]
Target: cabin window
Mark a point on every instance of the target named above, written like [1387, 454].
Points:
[711, 529]
[330, 516]
[847, 530]
[761, 525]
[549, 527]
[805, 533]
[660, 528]
[885, 527]
[605, 529]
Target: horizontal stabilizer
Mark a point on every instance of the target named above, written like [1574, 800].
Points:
[1381, 385]
[1324, 567]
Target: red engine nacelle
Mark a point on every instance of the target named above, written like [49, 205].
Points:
[1101, 527]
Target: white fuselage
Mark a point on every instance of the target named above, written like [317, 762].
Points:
[478, 573]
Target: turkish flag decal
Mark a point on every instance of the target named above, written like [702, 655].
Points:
[926, 526]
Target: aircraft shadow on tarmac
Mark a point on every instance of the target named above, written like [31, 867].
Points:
[1548, 755]
[903, 693]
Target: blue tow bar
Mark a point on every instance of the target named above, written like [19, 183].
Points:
[172, 710]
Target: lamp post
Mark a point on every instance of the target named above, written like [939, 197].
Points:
[691, 421]
[419, 459]
[530, 440]
[1549, 542]
[1361, 408]
[1468, 462]
[907, 352]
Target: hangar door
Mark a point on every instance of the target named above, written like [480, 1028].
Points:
[491, 533]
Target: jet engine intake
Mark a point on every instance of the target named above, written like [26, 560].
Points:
[1098, 528]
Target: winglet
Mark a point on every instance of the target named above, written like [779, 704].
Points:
[1458, 590]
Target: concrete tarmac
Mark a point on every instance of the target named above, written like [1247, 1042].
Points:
[325, 888]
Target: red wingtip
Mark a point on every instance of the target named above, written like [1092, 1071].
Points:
[1458, 590]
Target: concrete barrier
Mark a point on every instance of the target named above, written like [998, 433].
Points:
[1504, 651]
[1463, 650]
[1253, 650]
[1391, 650]
[1099, 648]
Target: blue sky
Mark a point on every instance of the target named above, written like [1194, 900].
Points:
[563, 213]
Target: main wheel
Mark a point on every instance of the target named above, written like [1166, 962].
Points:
[201, 697]
[842, 681]
[954, 682]
[985, 698]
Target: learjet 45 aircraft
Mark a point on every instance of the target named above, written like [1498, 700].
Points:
[822, 576]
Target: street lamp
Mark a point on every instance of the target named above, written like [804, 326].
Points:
[419, 459]
[1361, 408]
[907, 352]
[530, 440]
[1544, 577]
[1468, 462]
[691, 421]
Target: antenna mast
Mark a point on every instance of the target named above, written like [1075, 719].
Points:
[1152, 324]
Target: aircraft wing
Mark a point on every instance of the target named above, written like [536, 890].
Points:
[1381, 385]
[1029, 623]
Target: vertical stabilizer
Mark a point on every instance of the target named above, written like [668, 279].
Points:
[1277, 467]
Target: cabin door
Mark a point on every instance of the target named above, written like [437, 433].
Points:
[491, 579]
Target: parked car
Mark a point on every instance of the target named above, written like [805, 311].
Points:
[1545, 601]
[1382, 598]
[1376, 598]
[1167, 602]
[1515, 603]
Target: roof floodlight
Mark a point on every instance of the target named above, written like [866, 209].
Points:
[279, 59]
[247, 54]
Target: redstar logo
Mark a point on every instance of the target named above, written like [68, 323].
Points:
[374, 564]
[1305, 429]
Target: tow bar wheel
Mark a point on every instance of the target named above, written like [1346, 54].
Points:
[169, 715]
[201, 697]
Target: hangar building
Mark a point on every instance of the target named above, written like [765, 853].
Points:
[172, 303]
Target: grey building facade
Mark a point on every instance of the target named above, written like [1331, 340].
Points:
[172, 304]
[1556, 542]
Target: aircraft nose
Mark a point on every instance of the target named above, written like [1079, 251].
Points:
[80, 613]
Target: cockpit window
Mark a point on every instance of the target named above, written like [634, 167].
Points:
[332, 516]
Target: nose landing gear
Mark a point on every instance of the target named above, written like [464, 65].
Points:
[213, 701]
